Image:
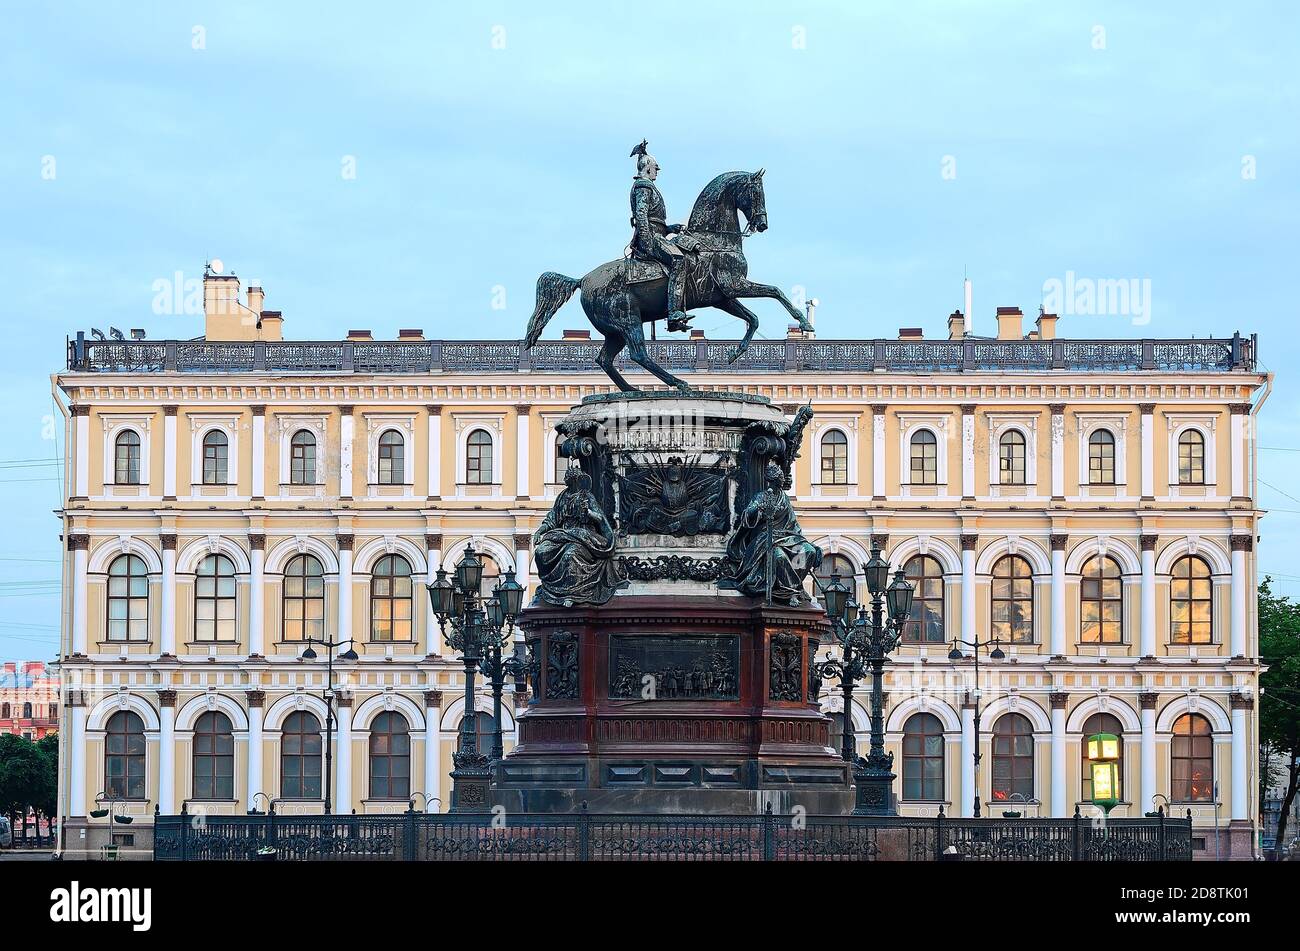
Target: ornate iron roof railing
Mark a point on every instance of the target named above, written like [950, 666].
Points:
[1204, 355]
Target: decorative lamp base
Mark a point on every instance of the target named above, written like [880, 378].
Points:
[470, 783]
[874, 791]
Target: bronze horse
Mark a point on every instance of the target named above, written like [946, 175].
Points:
[621, 295]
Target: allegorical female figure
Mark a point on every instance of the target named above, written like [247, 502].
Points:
[768, 555]
[573, 548]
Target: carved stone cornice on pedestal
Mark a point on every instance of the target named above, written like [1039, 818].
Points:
[968, 409]
[1238, 701]
[168, 541]
[1059, 541]
[879, 541]
[170, 409]
[345, 409]
[1146, 409]
[1148, 542]
[345, 542]
[257, 541]
[1239, 409]
[969, 541]
[1242, 542]
[166, 698]
[878, 409]
[1147, 699]
[1056, 409]
[256, 698]
[78, 543]
[433, 542]
[258, 409]
[433, 699]
[80, 409]
[523, 541]
[433, 410]
[1059, 699]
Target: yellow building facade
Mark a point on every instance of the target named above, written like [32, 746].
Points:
[1089, 503]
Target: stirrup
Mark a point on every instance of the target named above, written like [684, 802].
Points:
[678, 320]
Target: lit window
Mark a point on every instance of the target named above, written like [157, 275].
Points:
[1101, 604]
[1191, 619]
[1013, 600]
[390, 599]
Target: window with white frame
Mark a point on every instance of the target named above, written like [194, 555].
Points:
[126, 450]
[478, 458]
[215, 460]
[1102, 453]
[923, 458]
[834, 457]
[302, 458]
[1101, 457]
[1011, 458]
[392, 458]
[126, 458]
[1191, 452]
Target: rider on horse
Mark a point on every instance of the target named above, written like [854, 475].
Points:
[650, 231]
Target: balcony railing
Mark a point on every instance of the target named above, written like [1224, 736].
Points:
[1204, 355]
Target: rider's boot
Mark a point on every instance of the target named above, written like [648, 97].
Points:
[677, 318]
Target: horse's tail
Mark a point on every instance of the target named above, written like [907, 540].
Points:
[553, 290]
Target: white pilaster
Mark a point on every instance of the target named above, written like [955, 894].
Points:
[1240, 589]
[254, 749]
[434, 548]
[347, 433]
[968, 587]
[1240, 789]
[167, 620]
[1058, 450]
[1237, 449]
[878, 450]
[345, 588]
[432, 766]
[1058, 757]
[521, 452]
[967, 760]
[1147, 613]
[169, 452]
[81, 421]
[435, 452]
[1148, 450]
[968, 451]
[257, 595]
[77, 772]
[167, 754]
[1148, 789]
[343, 758]
[259, 453]
[79, 621]
[1056, 636]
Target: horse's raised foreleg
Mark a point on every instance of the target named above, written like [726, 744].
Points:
[747, 288]
[605, 360]
[637, 351]
[737, 309]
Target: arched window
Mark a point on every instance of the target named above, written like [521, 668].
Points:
[485, 725]
[1101, 457]
[1011, 458]
[124, 756]
[1013, 600]
[1191, 620]
[1100, 723]
[300, 756]
[126, 458]
[835, 458]
[304, 599]
[1191, 458]
[302, 458]
[27, 711]
[1013, 757]
[831, 564]
[390, 599]
[214, 599]
[924, 458]
[478, 458]
[923, 757]
[4, 711]
[392, 462]
[216, 452]
[491, 575]
[213, 757]
[128, 599]
[390, 757]
[1101, 602]
[925, 624]
[1192, 759]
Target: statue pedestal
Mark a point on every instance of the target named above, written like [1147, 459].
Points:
[672, 636]
[659, 704]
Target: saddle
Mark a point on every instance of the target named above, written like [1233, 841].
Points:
[637, 271]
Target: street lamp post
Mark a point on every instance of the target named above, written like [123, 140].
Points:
[328, 696]
[502, 607]
[865, 638]
[474, 627]
[996, 653]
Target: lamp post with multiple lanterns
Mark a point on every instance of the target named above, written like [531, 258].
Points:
[995, 653]
[329, 697]
[472, 625]
[865, 638]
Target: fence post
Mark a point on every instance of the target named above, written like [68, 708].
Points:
[1075, 831]
[1160, 831]
[185, 832]
[408, 846]
[938, 835]
[584, 834]
[769, 836]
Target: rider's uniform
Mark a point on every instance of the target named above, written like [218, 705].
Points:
[650, 239]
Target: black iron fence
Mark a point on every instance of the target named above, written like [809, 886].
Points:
[575, 356]
[414, 836]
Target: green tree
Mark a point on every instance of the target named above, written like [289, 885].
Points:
[22, 775]
[1279, 708]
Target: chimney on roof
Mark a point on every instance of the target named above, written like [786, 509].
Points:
[956, 325]
[577, 335]
[33, 667]
[1046, 325]
[416, 334]
[360, 335]
[225, 317]
[697, 334]
[256, 297]
[911, 333]
[1009, 319]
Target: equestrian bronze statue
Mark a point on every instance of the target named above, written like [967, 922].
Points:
[670, 269]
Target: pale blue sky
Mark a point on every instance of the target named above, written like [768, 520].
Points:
[479, 167]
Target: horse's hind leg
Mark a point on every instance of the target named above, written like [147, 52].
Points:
[737, 309]
[637, 351]
[605, 360]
